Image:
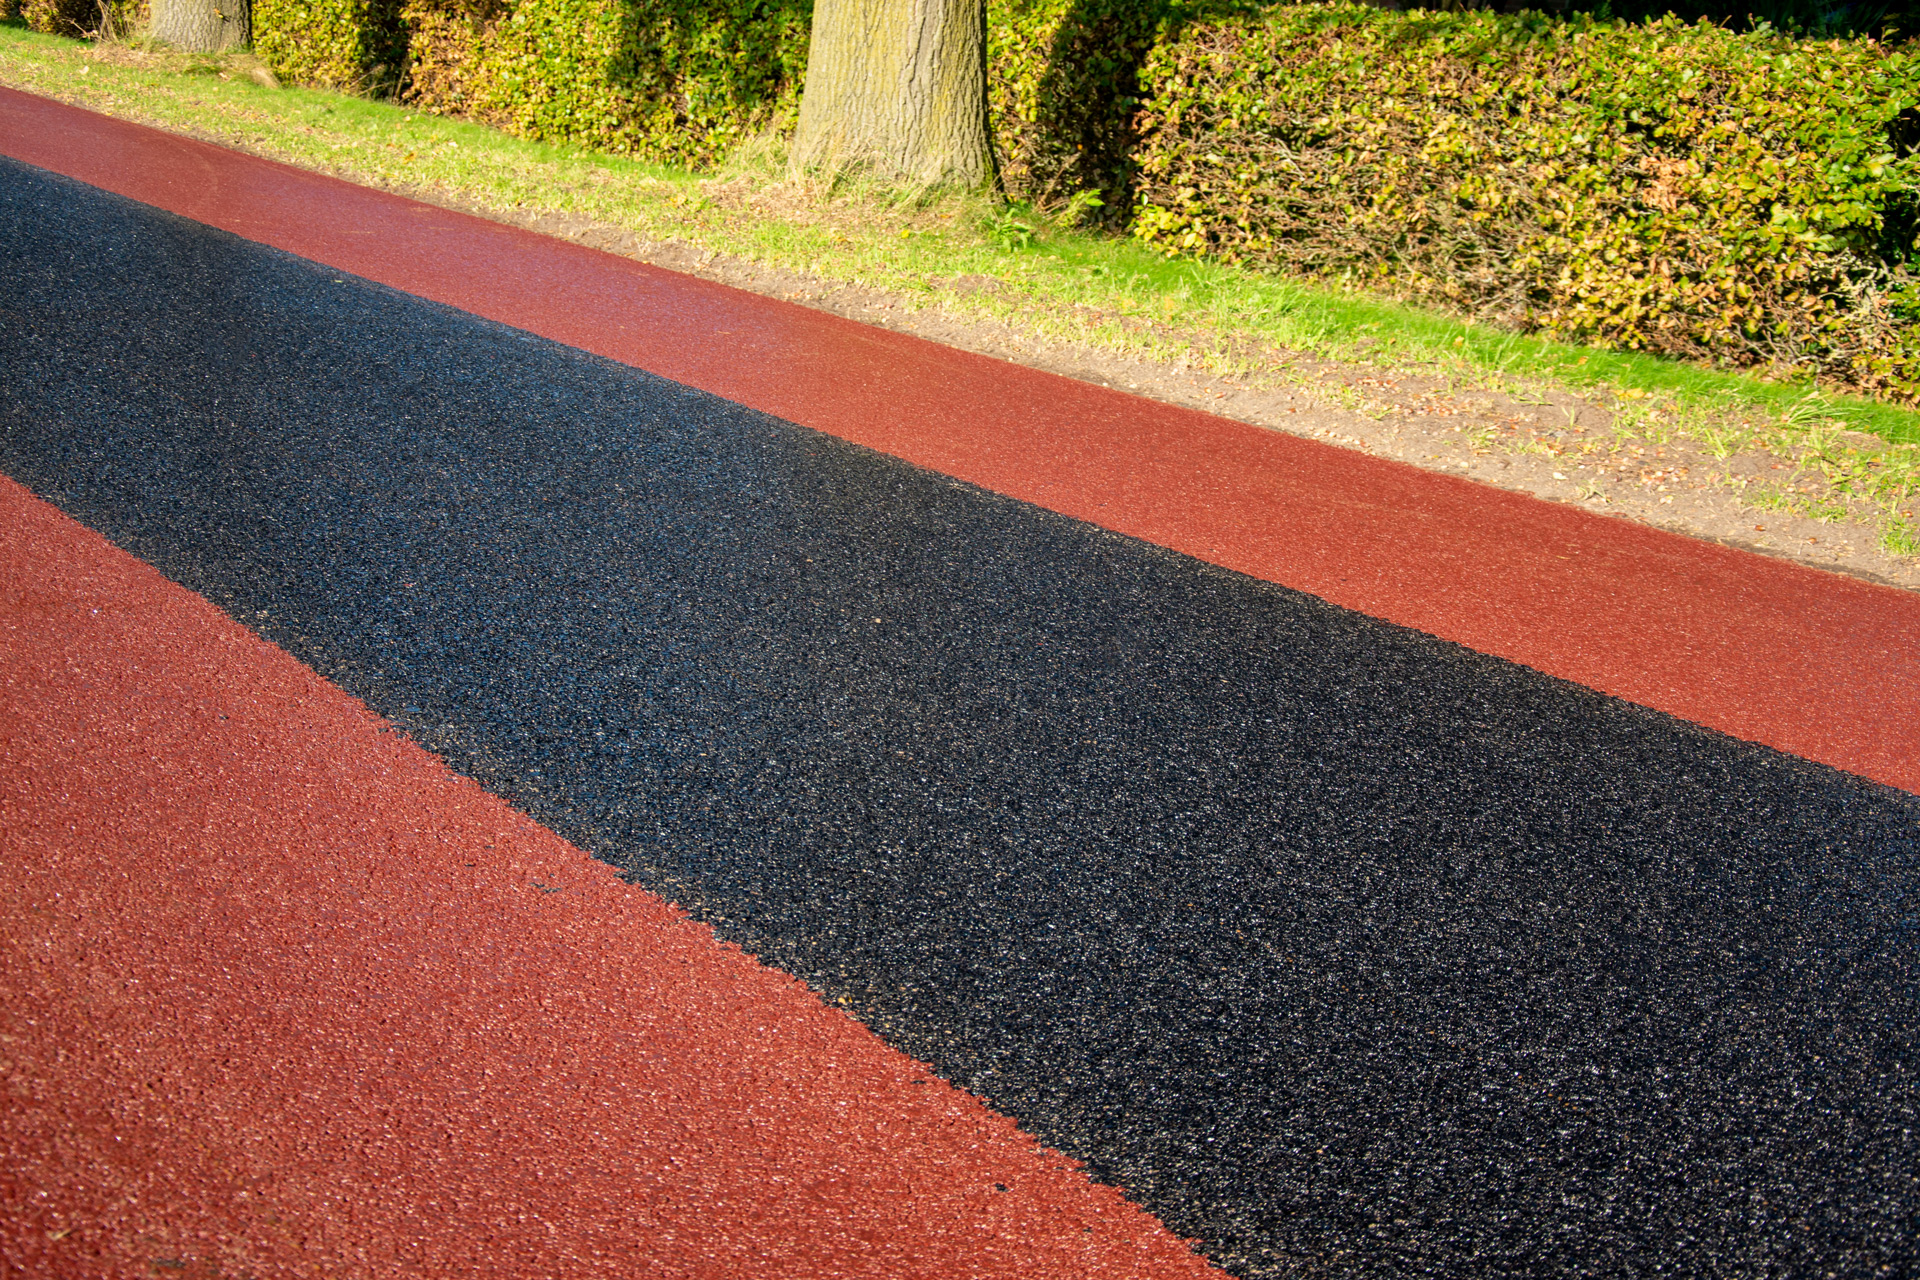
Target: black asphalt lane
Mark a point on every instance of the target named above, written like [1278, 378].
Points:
[1344, 949]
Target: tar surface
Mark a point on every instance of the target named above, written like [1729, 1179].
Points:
[1344, 949]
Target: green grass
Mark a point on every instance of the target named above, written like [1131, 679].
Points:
[1054, 281]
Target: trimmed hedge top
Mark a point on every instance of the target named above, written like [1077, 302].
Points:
[1678, 189]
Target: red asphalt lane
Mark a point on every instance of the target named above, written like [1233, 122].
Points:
[283, 996]
[1817, 664]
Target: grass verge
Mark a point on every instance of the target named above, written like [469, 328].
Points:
[1040, 274]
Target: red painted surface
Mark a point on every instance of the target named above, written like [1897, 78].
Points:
[1817, 664]
[282, 996]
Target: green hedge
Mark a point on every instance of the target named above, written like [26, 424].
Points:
[355, 45]
[1744, 198]
[1690, 191]
[681, 80]
[1063, 86]
[76, 17]
[687, 79]
[61, 17]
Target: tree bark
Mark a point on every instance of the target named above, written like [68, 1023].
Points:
[898, 87]
[202, 26]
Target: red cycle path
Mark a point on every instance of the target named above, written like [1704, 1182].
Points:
[1824, 666]
[282, 996]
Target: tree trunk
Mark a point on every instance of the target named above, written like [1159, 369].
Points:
[899, 87]
[202, 26]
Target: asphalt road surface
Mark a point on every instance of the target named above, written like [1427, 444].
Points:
[1340, 948]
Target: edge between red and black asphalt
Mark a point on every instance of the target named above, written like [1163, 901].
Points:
[961, 777]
